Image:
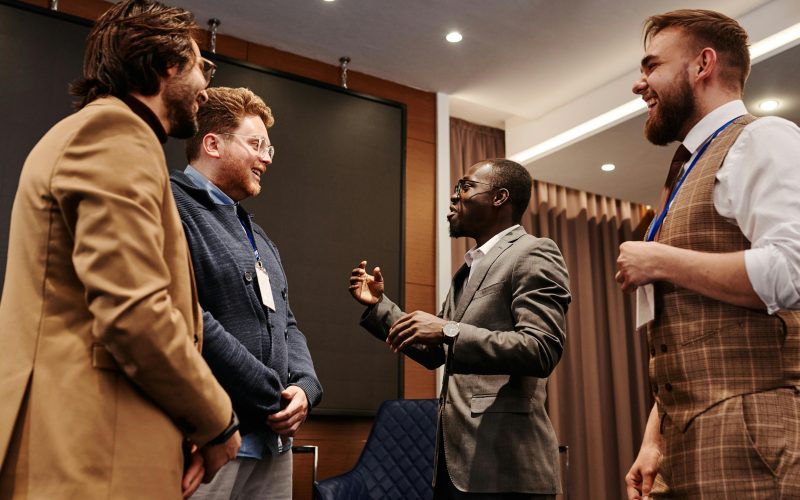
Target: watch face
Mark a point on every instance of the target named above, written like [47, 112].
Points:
[450, 329]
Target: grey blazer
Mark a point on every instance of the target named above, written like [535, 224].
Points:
[496, 433]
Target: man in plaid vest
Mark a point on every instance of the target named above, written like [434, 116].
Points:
[718, 277]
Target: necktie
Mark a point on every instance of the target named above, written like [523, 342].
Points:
[681, 156]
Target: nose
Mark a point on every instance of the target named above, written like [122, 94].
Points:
[454, 197]
[202, 97]
[639, 86]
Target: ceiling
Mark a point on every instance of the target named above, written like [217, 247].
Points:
[532, 67]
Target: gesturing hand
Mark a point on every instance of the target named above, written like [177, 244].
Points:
[366, 288]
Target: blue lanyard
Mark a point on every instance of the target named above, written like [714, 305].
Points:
[656, 225]
[251, 239]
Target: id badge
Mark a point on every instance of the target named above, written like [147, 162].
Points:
[645, 305]
[264, 286]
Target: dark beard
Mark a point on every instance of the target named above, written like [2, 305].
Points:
[180, 100]
[456, 231]
[674, 113]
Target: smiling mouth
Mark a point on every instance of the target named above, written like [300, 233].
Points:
[257, 173]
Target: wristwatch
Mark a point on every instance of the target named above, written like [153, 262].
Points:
[233, 426]
[450, 330]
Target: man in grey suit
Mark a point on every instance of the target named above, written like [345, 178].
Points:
[500, 334]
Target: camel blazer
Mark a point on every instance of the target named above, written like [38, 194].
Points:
[101, 375]
[496, 433]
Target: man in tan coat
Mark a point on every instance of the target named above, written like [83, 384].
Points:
[101, 379]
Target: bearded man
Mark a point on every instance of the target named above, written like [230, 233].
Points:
[718, 276]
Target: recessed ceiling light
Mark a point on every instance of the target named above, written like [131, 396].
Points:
[607, 167]
[327, 0]
[454, 37]
[769, 105]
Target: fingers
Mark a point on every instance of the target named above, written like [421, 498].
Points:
[193, 475]
[633, 487]
[399, 328]
[377, 274]
[647, 483]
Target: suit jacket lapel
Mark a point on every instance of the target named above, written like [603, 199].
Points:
[479, 273]
[455, 287]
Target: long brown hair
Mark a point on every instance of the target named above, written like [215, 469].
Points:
[130, 48]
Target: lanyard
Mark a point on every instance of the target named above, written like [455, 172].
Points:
[656, 225]
[252, 240]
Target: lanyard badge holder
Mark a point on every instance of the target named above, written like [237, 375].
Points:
[261, 273]
[645, 295]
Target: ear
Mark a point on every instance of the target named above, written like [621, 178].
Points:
[500, 196]
[705, 64]
[211, 145]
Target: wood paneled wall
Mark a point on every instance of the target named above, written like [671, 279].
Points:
[340, 439]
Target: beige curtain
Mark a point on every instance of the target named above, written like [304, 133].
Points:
[469, 144]
[598, 397]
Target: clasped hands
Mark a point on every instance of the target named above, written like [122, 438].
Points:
[417, 327]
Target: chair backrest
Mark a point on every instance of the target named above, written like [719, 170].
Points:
[397, 460]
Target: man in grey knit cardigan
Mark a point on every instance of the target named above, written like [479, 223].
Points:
[251, 339]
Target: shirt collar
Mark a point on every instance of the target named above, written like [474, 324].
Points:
[200, 181]
[146, 114]
[476, 253]
[711, 122]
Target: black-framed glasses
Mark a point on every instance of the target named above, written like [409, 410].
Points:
[263, 150]
[466, 182]
[209, 68]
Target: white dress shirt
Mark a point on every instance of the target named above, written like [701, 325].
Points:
[475, 254]
[758, 190]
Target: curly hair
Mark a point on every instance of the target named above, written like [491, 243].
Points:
[223, 112]
[131, 47]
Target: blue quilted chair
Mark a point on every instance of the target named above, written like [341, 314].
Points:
[397, 461]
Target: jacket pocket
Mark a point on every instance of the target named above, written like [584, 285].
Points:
[489, 290]
[492, 403]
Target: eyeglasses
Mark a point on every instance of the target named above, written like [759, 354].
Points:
[259, 144]
[462, 183]
[209, 68]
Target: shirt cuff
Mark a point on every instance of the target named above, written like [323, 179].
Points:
[772, 278]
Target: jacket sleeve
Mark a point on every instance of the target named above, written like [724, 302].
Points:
[539, 299]
[301, 366]
[377, 320]
[252, 386]
[111, 185]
